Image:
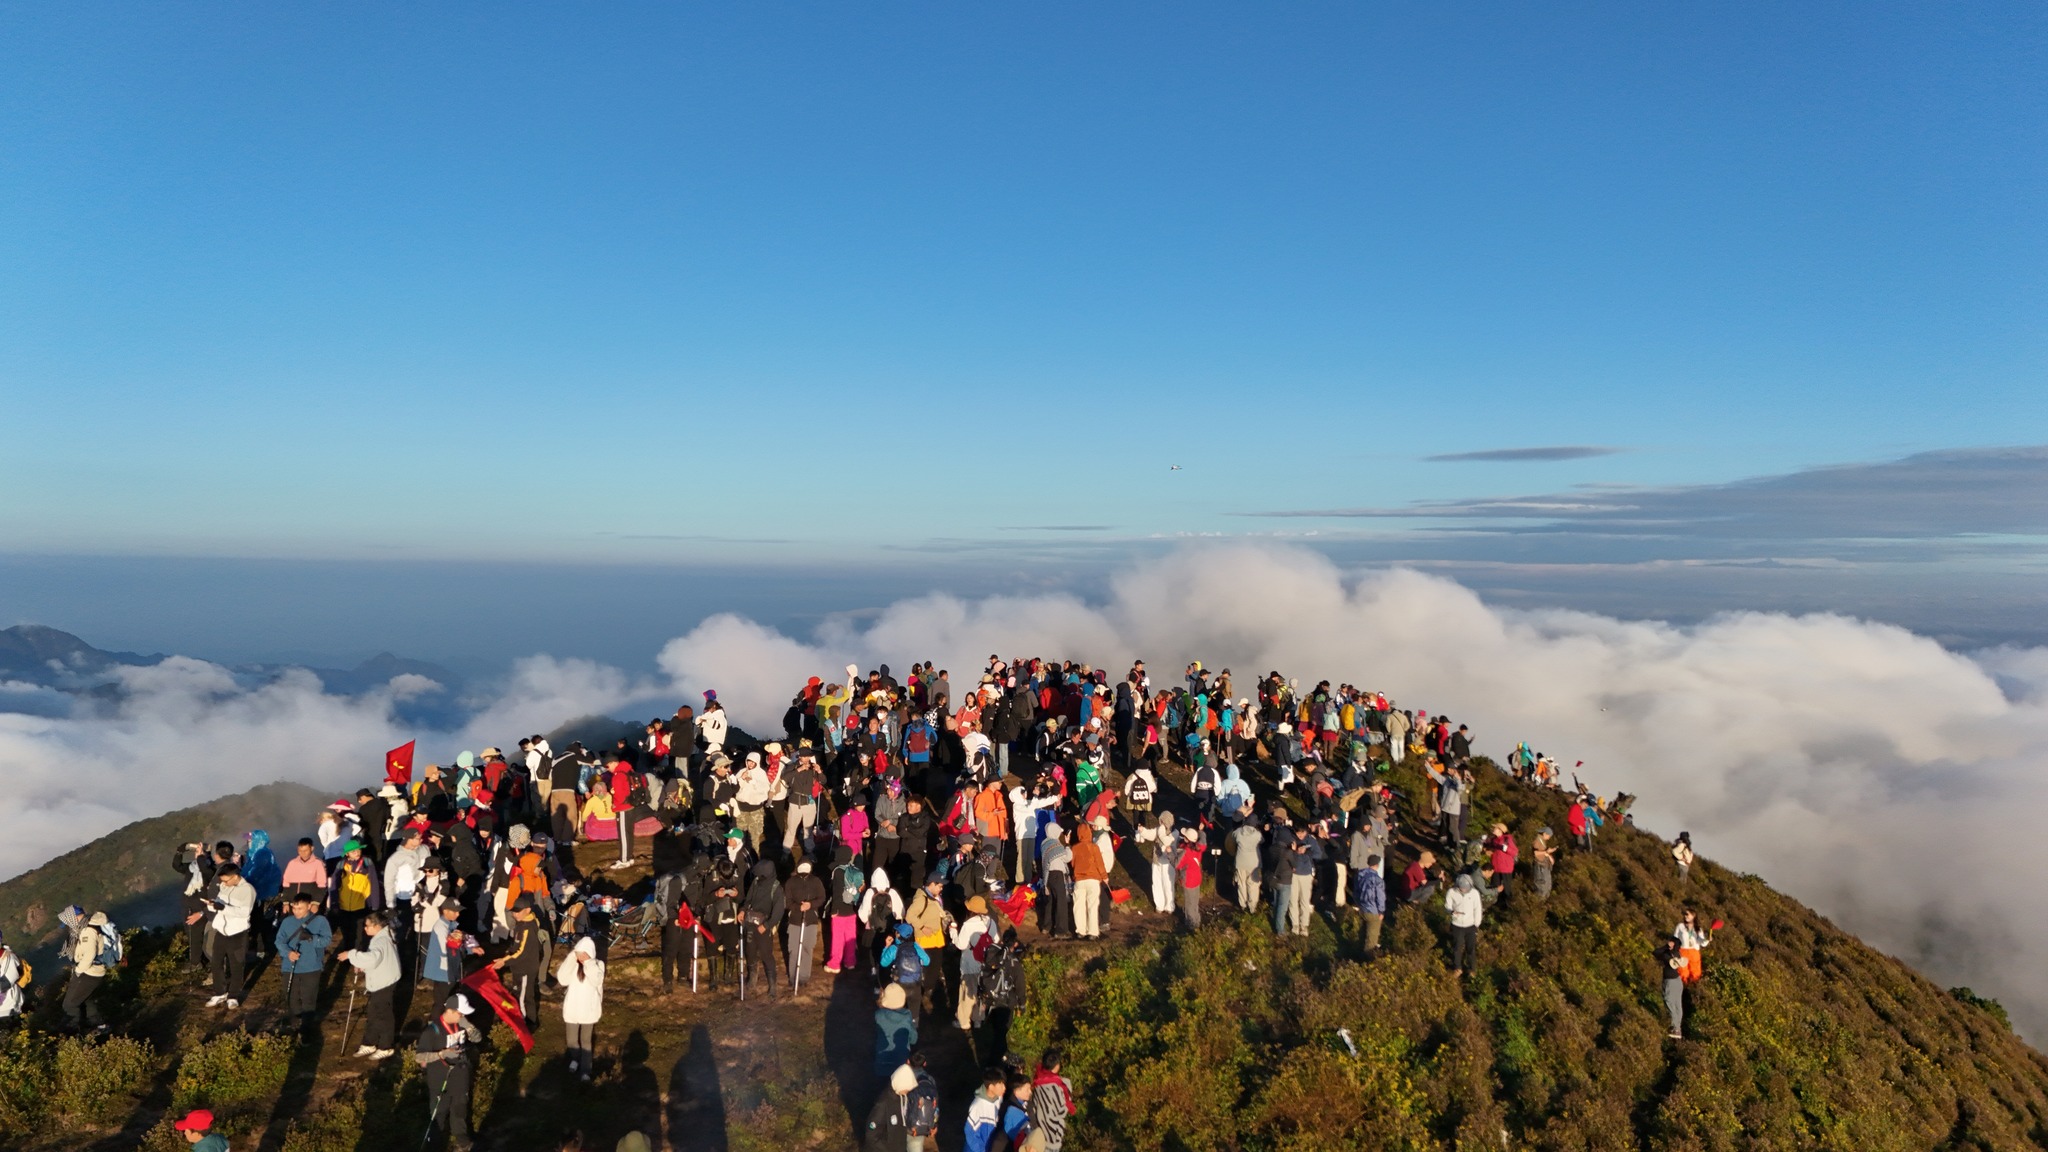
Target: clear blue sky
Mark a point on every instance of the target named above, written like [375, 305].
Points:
[390, 280]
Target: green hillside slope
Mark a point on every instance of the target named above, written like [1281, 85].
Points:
[128, 871]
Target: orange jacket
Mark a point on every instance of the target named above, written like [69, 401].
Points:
[1088, 863]
[992, 812]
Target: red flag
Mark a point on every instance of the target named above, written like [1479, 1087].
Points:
[398, 763]
[485, 983]
[688, 919]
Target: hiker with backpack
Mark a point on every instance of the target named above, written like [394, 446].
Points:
[895, 1028]
[1467, 909]
[443, 1056]
[92, 951]
[889, 1121]
[1673, 964]
[905, 963]
[880, 910]
[970, 937]
[15, 975]
[761, 916]
[847, 887]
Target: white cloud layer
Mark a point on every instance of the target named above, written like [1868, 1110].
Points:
[1891, 783]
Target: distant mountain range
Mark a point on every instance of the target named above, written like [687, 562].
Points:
[34, 656]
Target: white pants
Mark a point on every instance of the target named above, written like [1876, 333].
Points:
[1162, 886]
[1088, 908]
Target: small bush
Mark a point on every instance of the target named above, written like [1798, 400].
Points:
[97, 1080]
[1996, 1009]
[27, 1070]
[232, 1069]
[336, 1127]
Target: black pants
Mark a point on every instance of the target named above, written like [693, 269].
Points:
[761, 957]
[1464, 947]
[1060, 895]
[676, 954]
[230, 957]
[302, 993]
[525, 986]
[78, 1006]
[195, 933]
[380, 1023]
[448, 1093]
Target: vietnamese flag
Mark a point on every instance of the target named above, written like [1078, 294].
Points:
[688, 919]
[485, 983]
[398, 763]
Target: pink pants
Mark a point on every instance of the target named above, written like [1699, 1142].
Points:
[844, 953]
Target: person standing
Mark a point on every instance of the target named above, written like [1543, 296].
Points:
[1188, 869]
[805, 897]
[1057, 859]
[760, 916]
[378, 962]
[441, 963]
[1245, 843]
[1161, 845]
[968, 937]
[1671, 960]
[1052, 1100]
[1544, 860]
[522, 964]
[93, 950]
[1090, 875]
[302, 942]
[1467, 909]
[888, 1127]
[1692, 940]
[895, 1028]
[846, 890]
[1681, 852]
[581, 975]
[1369, 896]
[232, 906]
[443, 1054]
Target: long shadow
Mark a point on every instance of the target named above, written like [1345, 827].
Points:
[638, 1108]
[696, 1099]
[300, 1076]
[850, 1046]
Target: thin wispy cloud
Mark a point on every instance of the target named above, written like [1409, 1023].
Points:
[1929, 496]
[1053, 528]
[1525, 455]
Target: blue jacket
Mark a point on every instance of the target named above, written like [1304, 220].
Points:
[1369, 892]
[312, 950]
[895, 1036]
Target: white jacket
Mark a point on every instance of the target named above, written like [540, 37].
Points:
[239, 901]
[1465, 906]
[753, 782]
[965, 935]
[711, 726]
[582, 999]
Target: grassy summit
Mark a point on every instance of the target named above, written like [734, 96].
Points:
[1801, 1037]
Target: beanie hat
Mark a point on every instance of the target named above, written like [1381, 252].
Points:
[892, 996]
[903, 1081]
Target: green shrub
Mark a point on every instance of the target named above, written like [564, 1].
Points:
[233, 1069]
[335, 1127]
[1986, 1003]
[96, 1080]
[27, 1072]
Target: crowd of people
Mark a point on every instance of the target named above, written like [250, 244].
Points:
[896, 832]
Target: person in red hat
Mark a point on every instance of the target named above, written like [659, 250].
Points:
[197, 1127]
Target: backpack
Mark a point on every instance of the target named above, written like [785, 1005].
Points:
[1141, 792]
[851, 881]
[909, 967]
[1002, 978]
[918, 741]
[112, 951]
[924, 1112]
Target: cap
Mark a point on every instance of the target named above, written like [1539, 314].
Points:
[461, 1004]
[197, 1120]
[903, 1081]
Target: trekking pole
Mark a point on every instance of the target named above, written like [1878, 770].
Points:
[796, 967]
[433, 1115]
[348, 1021]
[743, 961]
[695, 938]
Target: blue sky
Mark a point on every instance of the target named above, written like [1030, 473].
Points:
[811, 283]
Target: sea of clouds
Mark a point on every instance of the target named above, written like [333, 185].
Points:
[1894, 785]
